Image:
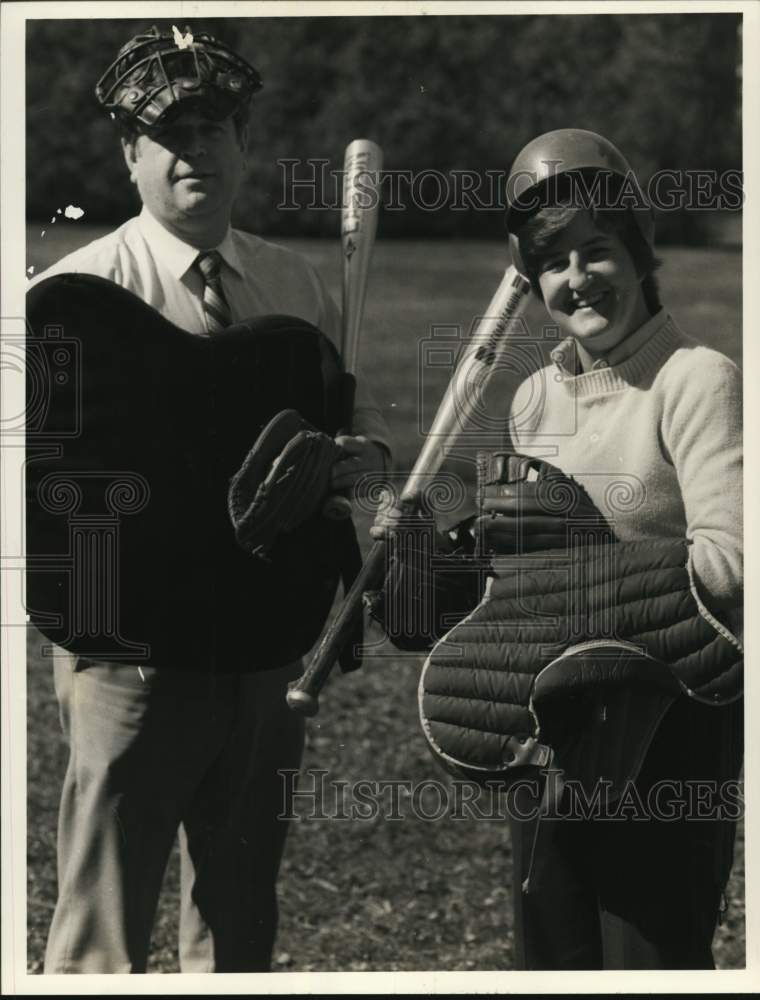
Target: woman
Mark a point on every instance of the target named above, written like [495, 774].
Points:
[645, 424]
[630, 399]
[628, 391]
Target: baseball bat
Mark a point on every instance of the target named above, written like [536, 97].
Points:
[459, 407]
[361, 205]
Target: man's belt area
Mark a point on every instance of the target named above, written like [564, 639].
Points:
[156, 534]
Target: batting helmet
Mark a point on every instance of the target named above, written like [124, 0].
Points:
[158, 72]
[576, 161]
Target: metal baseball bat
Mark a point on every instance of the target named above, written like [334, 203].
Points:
[361, 206]
[458, 408]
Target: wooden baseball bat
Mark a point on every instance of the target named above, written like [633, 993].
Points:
[459, 407]
[361, 205]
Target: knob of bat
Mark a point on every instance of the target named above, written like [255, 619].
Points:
[302, 702]
[337, 508]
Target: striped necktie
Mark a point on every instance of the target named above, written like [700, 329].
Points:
[215, 305]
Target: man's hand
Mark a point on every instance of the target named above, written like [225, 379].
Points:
[360, 457]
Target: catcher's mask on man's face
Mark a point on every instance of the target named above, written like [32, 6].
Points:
[157, 74]
[188, 174]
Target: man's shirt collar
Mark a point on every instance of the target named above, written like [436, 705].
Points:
[229, 252]
[176, 255]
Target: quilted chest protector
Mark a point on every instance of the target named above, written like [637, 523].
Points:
[482, 693]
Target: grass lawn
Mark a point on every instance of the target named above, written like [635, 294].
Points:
[378, 894]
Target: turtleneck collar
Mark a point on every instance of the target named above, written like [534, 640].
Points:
[626, 363]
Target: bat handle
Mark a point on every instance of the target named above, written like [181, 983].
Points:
[302, 702]
[337, 507]
[303, 694]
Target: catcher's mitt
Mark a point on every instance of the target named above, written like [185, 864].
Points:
[282, 482]
[528, 505]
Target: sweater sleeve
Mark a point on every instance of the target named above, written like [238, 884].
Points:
[702, 434]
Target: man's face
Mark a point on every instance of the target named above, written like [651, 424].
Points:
[590, 286]
[189, 173]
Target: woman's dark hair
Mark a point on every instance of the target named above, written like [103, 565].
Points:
[538, 232]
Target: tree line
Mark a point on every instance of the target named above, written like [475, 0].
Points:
[450, 99]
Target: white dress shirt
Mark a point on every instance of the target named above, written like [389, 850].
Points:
[258, 278]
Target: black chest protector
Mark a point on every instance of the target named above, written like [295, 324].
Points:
[134, 431]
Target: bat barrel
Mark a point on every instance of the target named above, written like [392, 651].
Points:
[361, 206]
[480, 359]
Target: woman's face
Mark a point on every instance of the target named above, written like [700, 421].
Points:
[590, 286]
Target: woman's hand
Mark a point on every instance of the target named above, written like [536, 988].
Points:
[548, 511]
[389, 515]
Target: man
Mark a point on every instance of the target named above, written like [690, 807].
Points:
[155, 750]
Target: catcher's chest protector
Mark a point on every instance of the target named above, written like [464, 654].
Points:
[478, 692]
[134, 430]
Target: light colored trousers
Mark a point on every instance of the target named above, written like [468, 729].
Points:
[153, 751]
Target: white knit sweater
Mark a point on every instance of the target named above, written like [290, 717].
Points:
[656, 440]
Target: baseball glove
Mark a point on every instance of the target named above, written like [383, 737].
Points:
[528, 505]
[282, 482]
[432, 581]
